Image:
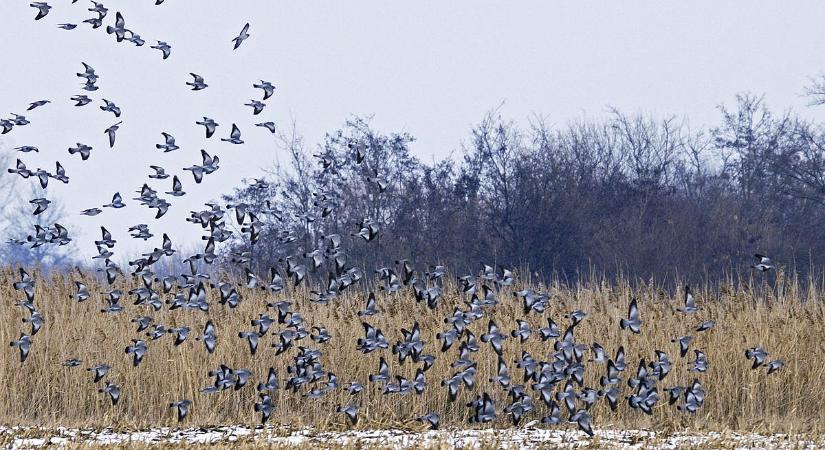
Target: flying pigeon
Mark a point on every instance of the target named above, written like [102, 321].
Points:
[763, 264]
[267, 87]
[81, 100]
[633, 322]
[163, 47]
[210, 126]
[198, 83]
[169, 145]
[111, 133]
[37, 104]
[242, 36]
[182, 408]
[113, 390]
[235, 136]
[110, 107]
[42, 9]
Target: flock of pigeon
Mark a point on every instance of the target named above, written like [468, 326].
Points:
[557, 379]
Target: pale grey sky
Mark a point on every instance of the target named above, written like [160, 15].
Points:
[430, 68]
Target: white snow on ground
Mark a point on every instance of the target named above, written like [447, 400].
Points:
[518, 438]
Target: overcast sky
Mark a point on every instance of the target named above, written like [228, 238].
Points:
[430, 68]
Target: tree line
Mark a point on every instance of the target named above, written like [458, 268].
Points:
[624, 195]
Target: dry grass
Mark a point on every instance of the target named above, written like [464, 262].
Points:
[785, 318]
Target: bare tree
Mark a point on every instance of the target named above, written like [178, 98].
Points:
[815, 90]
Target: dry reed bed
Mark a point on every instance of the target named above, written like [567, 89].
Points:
[785, 318]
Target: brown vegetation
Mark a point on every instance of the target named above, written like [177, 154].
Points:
[785, 318]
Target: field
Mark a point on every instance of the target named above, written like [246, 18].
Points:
[784, 316]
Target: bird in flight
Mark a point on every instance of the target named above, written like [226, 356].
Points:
[42, 9]
[163, 47]
[198, 83]
[242, 36]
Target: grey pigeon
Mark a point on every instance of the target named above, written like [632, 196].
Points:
[257, 106]
[633, 322]
[554, 417]
[198, 83]
[95, 22]
[99, 371]
[168, 145]
[351, 411]
[81, 100]
[99, 9]
[181, 333]
[706, 325]
[37, 104]
[252, 339]
[113, 390]
[136, 39]
[267, 87]
[111, 133]
[431, 419]
[19, 120]
[700, 364]
[599, 355]
[7, 125]
[119, 30]
[182, 408]
[110, 107]
[503, 374]
[84, 150]
[523, 331]
[265, 407]
[137, 350]
[234, 136]
[690, 302]
[24, 345]
[26, 284]
[210, 340]
[611, 394]
[163, 47]
[764, 263]
[143, 322]
[583, 420]
[160, 173]
[494, 337]
[757, 354]
[694, 397]
[41, 204]
[210, 126]
[354, 387]
[82, 292]
[242, 36]
[117, 202]
[42, 9]
[72, 362]
[271, 383]
[268, 125]
[551, 331]
[370, 308]
[89, 73]
[576, 316]
[36, 321]
[775, 365]
[177, 188]
[383, 374]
